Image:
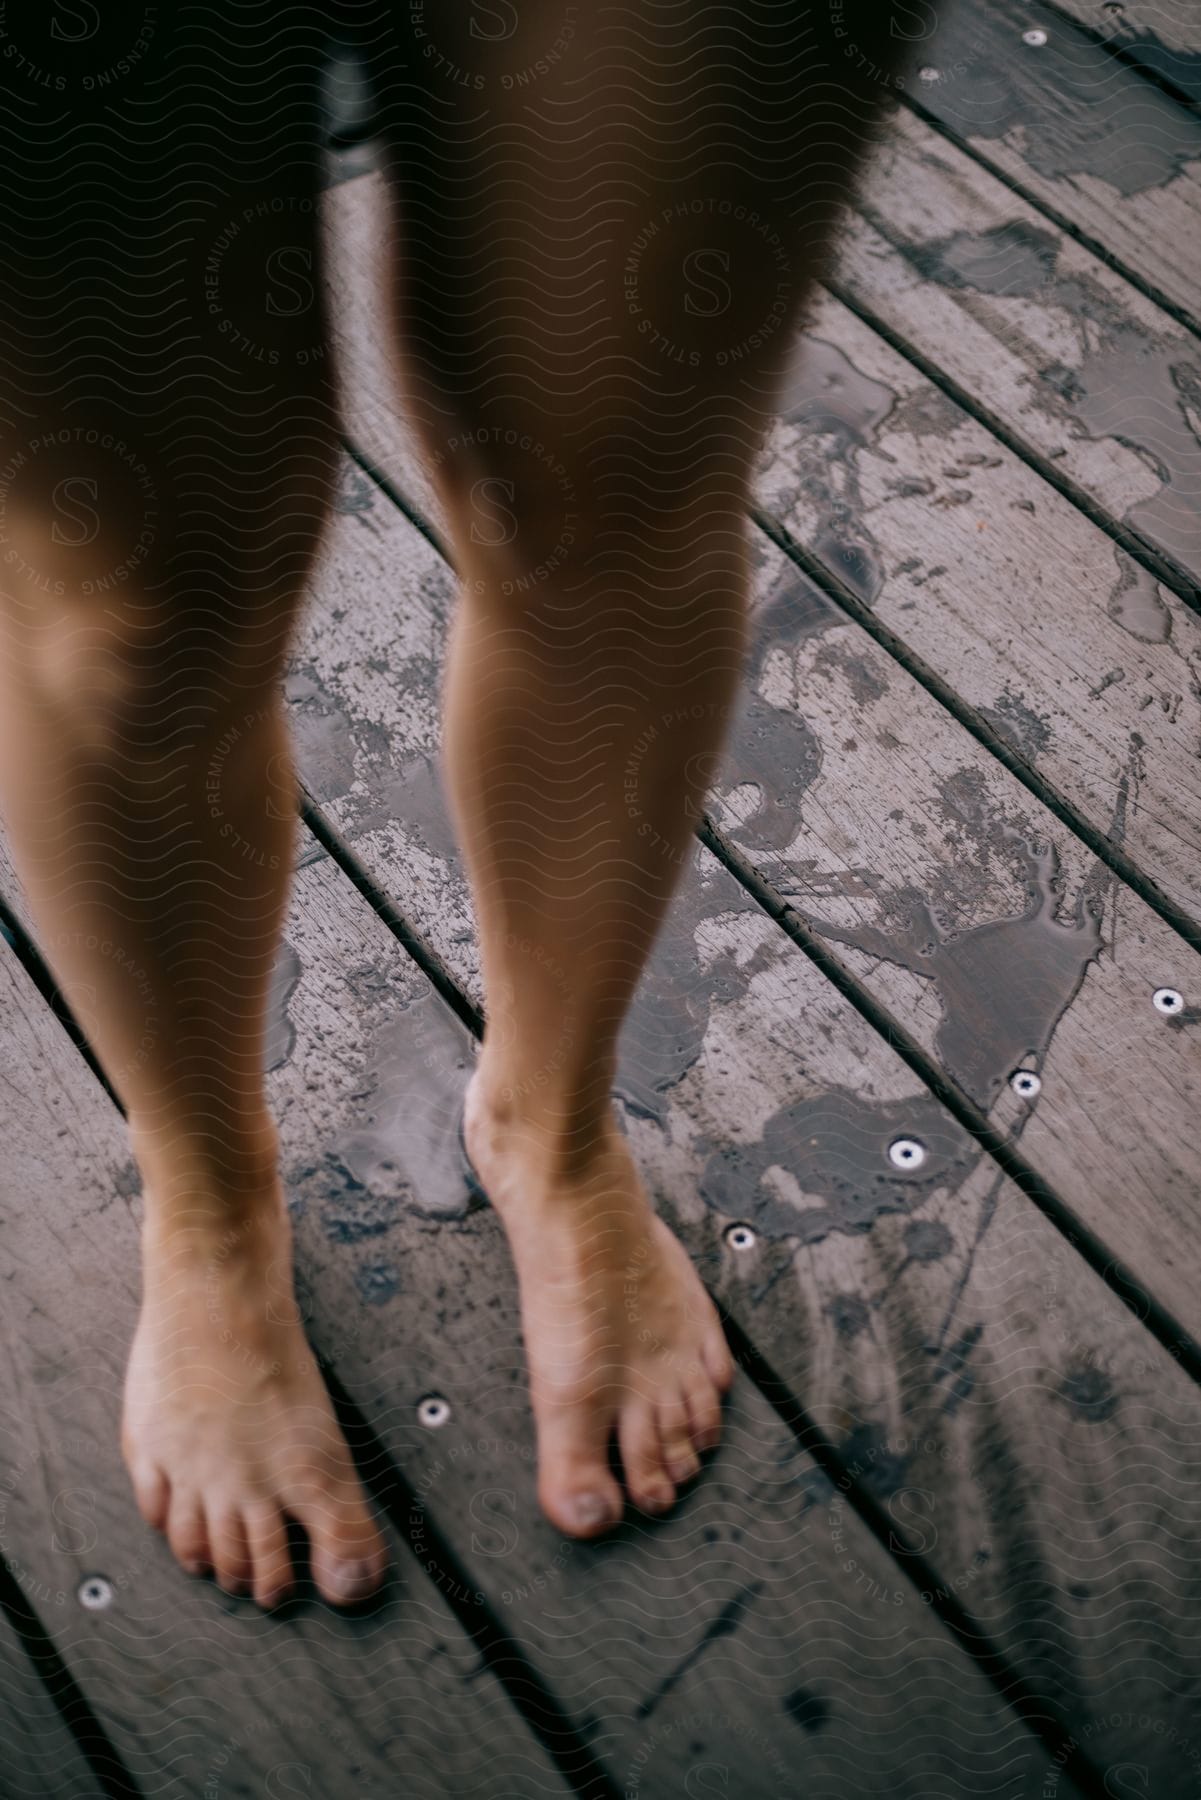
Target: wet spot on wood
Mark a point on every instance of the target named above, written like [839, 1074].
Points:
[321, 734]
[926, 412]
[1088, 1393]
[350, 1213]
[127, 1182]
[871, 1461]
[862, 676]
[377, 1283]
[829, 400]
[855, 564]
[776, 752]
[953, 1366]
[414, 796]
[793, 609]
[665, 1028]
[822, 1165]
[1144, 392]
[1136, 602]
[355, 493]
[1012, 718]
[827, 394]
[1014, 258]
[724, 1625]
[1068, 107]
[1003, 985]
[403, 1139]
[927, 1240]
[806, 1709]
[849, 1314]
[280, 1032]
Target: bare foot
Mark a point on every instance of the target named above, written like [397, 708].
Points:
[228, 1428]
[620, 1335]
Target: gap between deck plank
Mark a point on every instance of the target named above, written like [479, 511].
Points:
[1106, 154]
[367, 750]
[39, 1754]
[200, 1694]
[689, 1632]
[930, 817]
[868, 461]
[1161, 38]
[1036, 337]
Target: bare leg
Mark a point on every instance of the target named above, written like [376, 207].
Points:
[599, 272]
[165, 470]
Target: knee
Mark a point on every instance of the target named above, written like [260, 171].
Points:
[129, 677]
[515, 503]
[536, 522]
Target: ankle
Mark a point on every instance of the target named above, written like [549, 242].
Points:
[565, 1137]
[195, 1181]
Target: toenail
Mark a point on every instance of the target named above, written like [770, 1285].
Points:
[193, 1566]
[659, 1501]
[683, 1469]
[350, 1580]
[588, 1509]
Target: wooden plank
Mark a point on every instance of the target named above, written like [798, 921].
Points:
[860, 798]
[999, 586]
[1078, 131]
[949, 1317]
[1098, 385]
[728, 1628]
[1161, 36]
[993, 579]
[200, 1694]
[38, 1755]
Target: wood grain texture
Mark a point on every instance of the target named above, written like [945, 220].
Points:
[862, 801]
[991, 578]
[932, 1328]
[1097, 385]
[38, 1755]
[1079, 132]
[1160, 36]
[728, 1635]
[1085, 666]
[201, 1694]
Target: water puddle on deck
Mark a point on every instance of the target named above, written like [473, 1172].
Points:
[1003, 985]
[837, 410]
[834, 1147]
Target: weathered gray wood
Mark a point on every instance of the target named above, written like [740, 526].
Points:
[1162, 36]
[740, 1584]
[896, 1312]
[1096, 383]
[1080, 132]
[38, 1755]
[978, 920]
[200, 1694]
[859, 797]
[991, 577]
[1001, 587]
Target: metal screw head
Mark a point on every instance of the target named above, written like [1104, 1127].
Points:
[95, 1593]
[906, 1153]
[433, 1411]
[1167, 1000]
[739, 1237]
[1026, 1083]
[1035, 38]
[928, 73]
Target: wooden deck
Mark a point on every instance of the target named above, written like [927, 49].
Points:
[948, 883]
